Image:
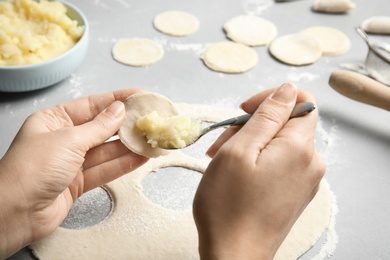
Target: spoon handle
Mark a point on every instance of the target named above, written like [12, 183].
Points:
[300, 109]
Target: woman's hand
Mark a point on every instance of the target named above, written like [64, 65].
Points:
[58, 154]
[261, 178]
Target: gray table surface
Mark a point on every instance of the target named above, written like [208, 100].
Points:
[353, 138]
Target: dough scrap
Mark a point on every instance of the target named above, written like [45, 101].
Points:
[138, 106]
[139, 229]
[377, 25]
[331, 40]
[333, 6]
[176, 23]
[250, 30]
[229, 57]
[137, 52]
[296, 49]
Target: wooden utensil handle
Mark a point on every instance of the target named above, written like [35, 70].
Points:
[360, 88]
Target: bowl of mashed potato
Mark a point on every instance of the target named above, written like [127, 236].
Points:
[41, 43]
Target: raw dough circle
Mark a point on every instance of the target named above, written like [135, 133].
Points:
[333, 6]
[230, 57]
[176, 23]
[250, 30]
[331, 40]
[377, 25]
[139, 229]
[137, 52]
[137, 106]
[296, 49]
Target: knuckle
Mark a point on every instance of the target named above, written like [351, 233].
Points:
[269, 115]
[320, 166]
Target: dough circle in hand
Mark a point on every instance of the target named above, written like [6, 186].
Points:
[250, 30]
[229, 57]
[377, 25]
[333, 6]
[137, 52]
[176, 23]
[296, 49]
[139, 229]
[137, 106]
[331, 40]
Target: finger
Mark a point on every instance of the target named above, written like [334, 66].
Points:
[226, 135]
[85, 109]
[111, 170]
[102, 127]
[103, 153]
[302, 128]
[251, 104]
[267, 120]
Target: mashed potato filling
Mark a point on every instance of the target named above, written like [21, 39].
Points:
[169, 132]
[32, 32]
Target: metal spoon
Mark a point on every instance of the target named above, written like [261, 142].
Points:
[300, 109]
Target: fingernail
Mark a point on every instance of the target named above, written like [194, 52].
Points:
[115, 109]
[285, 93]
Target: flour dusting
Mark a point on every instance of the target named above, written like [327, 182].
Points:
[76, 90]
[326, 141]
[197, 48]
[329, 246]
[295, 75]
[257, 7]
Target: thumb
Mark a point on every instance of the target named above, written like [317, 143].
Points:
[103, 126]
[269, 118]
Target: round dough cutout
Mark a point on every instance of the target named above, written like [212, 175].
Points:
[137, 106]
[176, 23]
[250, 30]
[137, 52]
[296, 49]
[377, 25]
[333, 6]
[229, 57]
[331, 40]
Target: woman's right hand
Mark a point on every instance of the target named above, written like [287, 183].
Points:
[261, 178]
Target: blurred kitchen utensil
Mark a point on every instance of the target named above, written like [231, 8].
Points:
[378, 58]
[361, 88]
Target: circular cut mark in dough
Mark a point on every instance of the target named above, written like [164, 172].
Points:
[176, 23]
[250, 30]
[296, 49]
[229, 57]
[331, 40]
[333, 6]
[377, 25]
[137, 106]
[137, 52]
[89, 209]
[139, 229]
[172, 181]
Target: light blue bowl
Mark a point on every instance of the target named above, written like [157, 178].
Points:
[44, 74]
